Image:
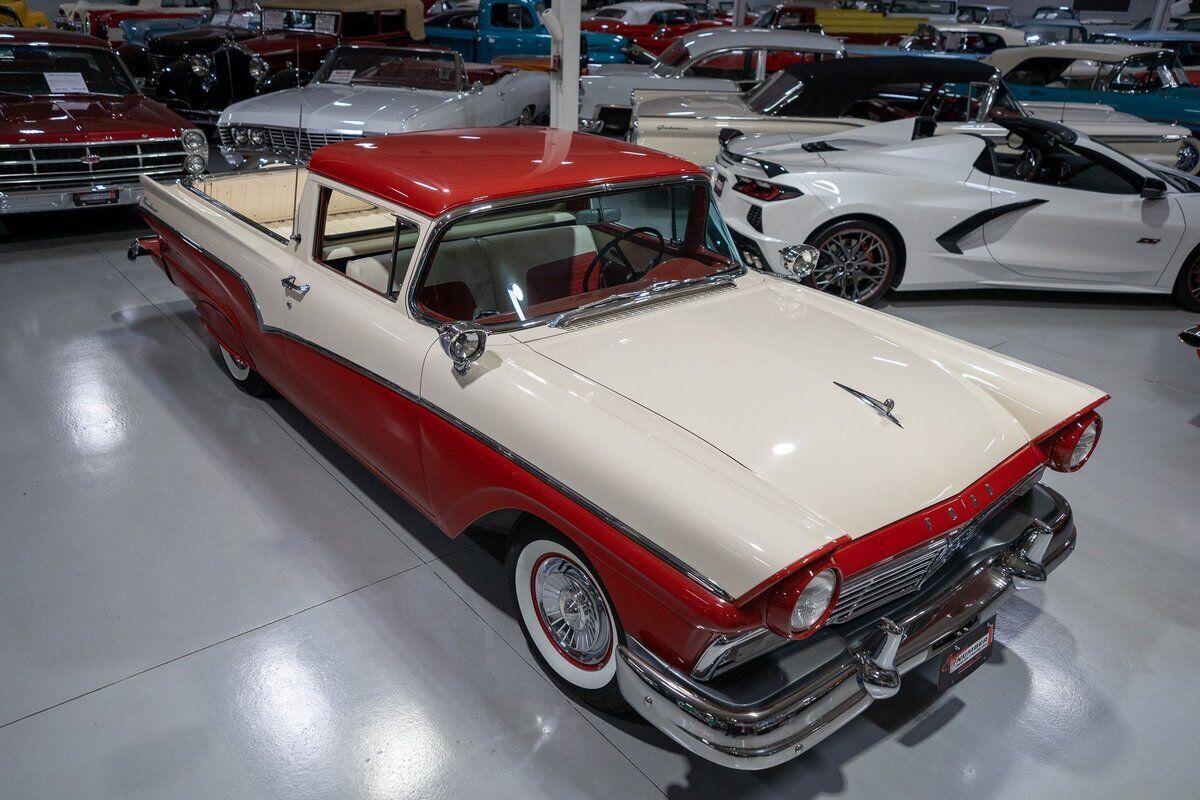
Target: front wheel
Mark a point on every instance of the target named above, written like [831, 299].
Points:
[246, 378]
[566, 616]
[526, 116]
[859, 261]
[1187, 285]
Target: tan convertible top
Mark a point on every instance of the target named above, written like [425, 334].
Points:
[414, 10]
[1006, 58]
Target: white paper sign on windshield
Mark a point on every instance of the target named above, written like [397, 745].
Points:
[327, 23]
[273, 20]
[341, 75]
[65, 83]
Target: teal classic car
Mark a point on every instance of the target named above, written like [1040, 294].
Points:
[512, 28]
[1147, 82]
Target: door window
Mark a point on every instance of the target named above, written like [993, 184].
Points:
[367, 244]
[731, 65]
[511, 15]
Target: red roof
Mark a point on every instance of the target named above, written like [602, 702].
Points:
[434, 172]
[46, 36]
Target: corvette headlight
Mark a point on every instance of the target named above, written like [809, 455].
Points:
[195, 164]
[194, 141]
[257, 137]
[240, 138]
[201, 65]
[258, 68]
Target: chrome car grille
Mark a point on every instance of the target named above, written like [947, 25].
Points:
[58, 166]
[284, 139]
[159, 61]
[905, 573]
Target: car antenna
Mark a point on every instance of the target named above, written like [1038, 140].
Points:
[299, 128]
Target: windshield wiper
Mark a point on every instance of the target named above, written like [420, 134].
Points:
[641, 296]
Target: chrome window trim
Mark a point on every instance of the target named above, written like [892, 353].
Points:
[440, 224]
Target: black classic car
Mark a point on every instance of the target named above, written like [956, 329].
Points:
[199, 72]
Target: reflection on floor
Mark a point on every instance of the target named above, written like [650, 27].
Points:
[203, 597]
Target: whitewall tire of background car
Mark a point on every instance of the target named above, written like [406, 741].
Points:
[246, 378]
[566, 615]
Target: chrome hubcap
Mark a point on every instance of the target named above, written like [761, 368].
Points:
[1188, 158]
[856, 264]
[572, 611]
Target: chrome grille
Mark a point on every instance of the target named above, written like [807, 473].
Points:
[60, 166]
[905, 573]
[283, 140]
[159, 62]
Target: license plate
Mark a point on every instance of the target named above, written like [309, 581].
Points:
[967, 654]
[98, 198]
[719, 184]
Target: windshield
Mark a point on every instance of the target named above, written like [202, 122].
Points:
[248, 20]
[316, 21]
[1149, 73]
[1054, 34]
[940, 7]
[585, 248]
[671, 58]
[774, 93]
[394, 66]
[61, 70]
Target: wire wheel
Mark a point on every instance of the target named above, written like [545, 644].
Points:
[857, 263]
[571, 611]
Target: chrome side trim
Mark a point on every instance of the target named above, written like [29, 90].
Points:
[592, 508]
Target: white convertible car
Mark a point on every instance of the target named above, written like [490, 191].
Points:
[367, 91]
[893, 206]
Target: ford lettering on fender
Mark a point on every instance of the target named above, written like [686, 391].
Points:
[703, 524]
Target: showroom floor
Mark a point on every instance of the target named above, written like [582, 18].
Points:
[201, 596]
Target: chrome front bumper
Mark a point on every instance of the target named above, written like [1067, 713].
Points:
[784, 703]
[23, 202]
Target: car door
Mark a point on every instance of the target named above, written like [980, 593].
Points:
[354, 355]
[511, 32]
[1096, 227]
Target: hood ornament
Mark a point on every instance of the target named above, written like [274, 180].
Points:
[884, 407]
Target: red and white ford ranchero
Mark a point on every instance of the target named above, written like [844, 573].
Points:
[739, 505]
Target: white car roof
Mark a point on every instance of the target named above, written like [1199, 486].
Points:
[1011, 36]
[707, 41]
[640, 11]
[1006, 59]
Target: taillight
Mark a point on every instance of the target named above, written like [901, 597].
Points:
[802, 603]
[765, 191]
[1074, 444]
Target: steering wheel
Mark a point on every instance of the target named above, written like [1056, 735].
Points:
[1026, 169]
[611, 255]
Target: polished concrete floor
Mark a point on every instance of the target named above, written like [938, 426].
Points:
[201, 596]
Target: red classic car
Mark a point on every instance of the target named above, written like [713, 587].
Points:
[651, 26]
[105, 23]
[75, 132]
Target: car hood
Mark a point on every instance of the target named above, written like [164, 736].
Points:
[606, 42]
[696, 105]
[77, 118]
[336, 107]
[195, 41]
[753, 372]
[282, 43]
[1098, 120]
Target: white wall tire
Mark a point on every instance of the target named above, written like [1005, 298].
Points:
[243, 375]
[566, 616]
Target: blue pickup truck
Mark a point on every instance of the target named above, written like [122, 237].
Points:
[512, 28]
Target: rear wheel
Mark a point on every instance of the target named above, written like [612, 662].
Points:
[859, 261]
[246, 378]
[566, 616]
[1187, 285]
[526, 116]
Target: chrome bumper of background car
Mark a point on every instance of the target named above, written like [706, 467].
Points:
[748, 728]
[22, 202]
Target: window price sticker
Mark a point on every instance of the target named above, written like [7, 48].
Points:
[65, 83]
[341, 75]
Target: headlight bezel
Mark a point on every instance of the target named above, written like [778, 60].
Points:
[195, 164]
[194, 141]
[200, 64]
[258, 68]
[260, 133]
[820, 576]
[240, 136]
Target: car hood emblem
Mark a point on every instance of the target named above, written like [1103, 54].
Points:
[884, 407]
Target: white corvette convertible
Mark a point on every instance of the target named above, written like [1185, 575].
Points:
[894, 207]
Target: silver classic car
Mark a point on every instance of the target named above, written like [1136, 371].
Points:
[365, 91]
[719, 60]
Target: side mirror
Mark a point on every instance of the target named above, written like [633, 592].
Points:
[464, 342]
[799, 260]
[1154, 189]
[476, 87]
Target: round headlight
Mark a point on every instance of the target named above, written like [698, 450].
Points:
[814, 601]
[1075, 443]
[240, 137]
[1188, 157]
[195, 164]
[257, 137]
[201, 65]
[258, 68]
[194, 141]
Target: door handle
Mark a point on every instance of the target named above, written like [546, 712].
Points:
[299, 288]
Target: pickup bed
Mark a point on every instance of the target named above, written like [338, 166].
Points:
[512, 28]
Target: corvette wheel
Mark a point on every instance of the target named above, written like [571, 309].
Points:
[1187, 285]
[246, 379]
[566, 616]
[859, 261]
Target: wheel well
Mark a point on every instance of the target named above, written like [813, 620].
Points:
[1175, 270]
[881, 222]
